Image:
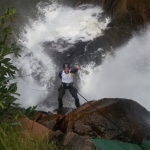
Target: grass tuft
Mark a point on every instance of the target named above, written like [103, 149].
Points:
[12, 139]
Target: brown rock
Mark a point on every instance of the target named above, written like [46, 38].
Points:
[117, 119]
[57, 138]
[84, 106]
[135, 11]
[39, 115]
[71, 141]
[35, 130]
[74, 141]
[127, 17]
[51, 121]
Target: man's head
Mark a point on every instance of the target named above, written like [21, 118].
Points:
[66, 67]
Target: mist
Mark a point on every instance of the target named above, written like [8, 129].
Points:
[54, 22]
[125, 74]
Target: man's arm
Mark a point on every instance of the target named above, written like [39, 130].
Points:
[75, 69]
[60, 74]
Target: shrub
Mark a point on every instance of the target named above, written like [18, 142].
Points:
[7, 69]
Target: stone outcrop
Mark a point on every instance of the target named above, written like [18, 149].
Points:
[77, 142]
[71, 141]
[51, 121]
[124, 12]
[117, 119]
[64, 141]
[33, 129]
[114, 119]
[128, 18]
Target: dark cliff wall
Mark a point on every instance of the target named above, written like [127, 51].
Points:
[124, 12]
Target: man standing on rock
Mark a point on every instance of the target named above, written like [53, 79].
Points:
[67, 83]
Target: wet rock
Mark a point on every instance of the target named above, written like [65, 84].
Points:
[77, 142]
[115, 119]
[51, 121]
[124, 12]
[84, 106]
[33, 129]
[57, 138]
[38, 115]
[71, 141]
[63, 111]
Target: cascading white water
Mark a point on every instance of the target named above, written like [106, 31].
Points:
[126, 74]
[54, 22]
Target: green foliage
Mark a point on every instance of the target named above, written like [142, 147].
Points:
[12, 139]
[148, 2]
[7, 69]
[29, 112]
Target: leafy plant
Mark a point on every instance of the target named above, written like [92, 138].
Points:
[7, 69]
[29, 112]
[148, 2]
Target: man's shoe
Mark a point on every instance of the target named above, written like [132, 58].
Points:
[59, 110]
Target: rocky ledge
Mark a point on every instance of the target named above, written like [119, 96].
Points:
[113, 119]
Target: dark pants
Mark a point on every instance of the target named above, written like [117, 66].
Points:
[73, 92]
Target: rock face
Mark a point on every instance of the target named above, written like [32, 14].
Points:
[128, 17]
[116, 119]
[124, 12]
[72, 141]
[77, 142]
[51, 121]
[111, 119]
[33, 129]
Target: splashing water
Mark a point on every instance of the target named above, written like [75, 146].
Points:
[54, 22]
[124, 75]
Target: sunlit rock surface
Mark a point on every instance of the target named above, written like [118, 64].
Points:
[115, 119]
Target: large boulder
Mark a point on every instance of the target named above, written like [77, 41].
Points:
[117, 119]
[51, 121]
[77, 142]
[71, 141]
[33, 129]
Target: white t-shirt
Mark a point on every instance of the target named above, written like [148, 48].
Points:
[67, 78]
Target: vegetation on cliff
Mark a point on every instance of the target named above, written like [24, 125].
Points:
[12, 136]
[8, 48]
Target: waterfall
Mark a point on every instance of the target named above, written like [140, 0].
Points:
[125, 74]
[62, 27]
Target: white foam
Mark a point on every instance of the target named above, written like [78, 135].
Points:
[124, 75]
[54, 22]
[41, 71]
[62, 22]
